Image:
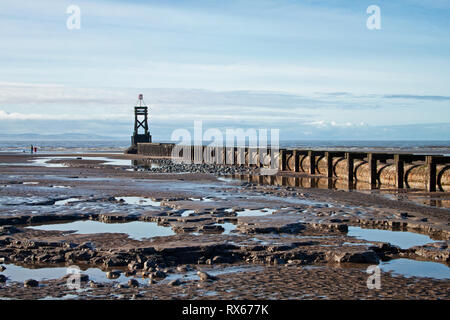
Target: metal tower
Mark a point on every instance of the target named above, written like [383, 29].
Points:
[141, 121]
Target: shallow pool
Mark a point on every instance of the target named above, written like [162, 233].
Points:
[402, 239]
[137, 230]
[414, 268]
[255, 212]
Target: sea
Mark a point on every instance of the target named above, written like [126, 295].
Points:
[441, 147]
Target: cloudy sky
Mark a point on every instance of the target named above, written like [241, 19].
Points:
[310, 68]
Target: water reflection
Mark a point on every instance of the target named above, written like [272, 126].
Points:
[441, 200]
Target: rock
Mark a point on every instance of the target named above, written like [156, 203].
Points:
[133, 283]
[129, 273]
[2, 260]
[204, 276]
[30, 283]
[84, 278]
[115, 262]
[149, 264]
[158, 274]
[175, 282]
[2, 268]
[134, 266]
[356, 257]
[113, 274]
[4, 230]
[182, 269]
[2, 278]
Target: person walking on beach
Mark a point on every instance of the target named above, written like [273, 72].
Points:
[35, 149]
[32, 149]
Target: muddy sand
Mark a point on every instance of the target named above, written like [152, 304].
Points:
[93, 226]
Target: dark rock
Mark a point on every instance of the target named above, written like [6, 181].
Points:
[2, 268]
[2, 278]
[205, 276]
[159, 274]
[93, 284]
[113, 274]
[133, 283]
[30, 283]
[149, 264]
[175, 282]
[84, 277]
[4, 230]
[356, 257]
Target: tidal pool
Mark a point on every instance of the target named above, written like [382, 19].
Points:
[17, 273]
[137, 230]
[255, 212]
[228, 226]
[65, 201]
[402, 239]
[139, 201]
[414, 268]
[107, 161]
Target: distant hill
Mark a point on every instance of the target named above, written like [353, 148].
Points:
[65, 136]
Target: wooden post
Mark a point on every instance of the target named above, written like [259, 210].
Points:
[432, 174]
[350, 166]
[373, 170]
[271, 180]
[296, 161]
[258, 157]
[330, 184]
[400, 171]
[312, 162]
[329, 158]
[282, 159]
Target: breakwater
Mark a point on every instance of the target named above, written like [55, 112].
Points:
[400, 170]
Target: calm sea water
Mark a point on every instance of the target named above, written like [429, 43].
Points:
[437, 147]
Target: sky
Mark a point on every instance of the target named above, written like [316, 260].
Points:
[310, 68]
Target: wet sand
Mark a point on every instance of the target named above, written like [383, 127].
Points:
[296, 241]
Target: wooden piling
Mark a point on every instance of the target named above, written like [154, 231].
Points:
[373, 167]
[432, 176]
[400, 171]
[296, 161]
[329, 157]
[312, 162]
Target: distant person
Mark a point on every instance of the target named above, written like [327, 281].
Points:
[35, 149]
[32, 149]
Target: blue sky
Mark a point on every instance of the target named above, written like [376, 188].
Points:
[310, 68]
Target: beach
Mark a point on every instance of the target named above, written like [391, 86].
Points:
[208, 233]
